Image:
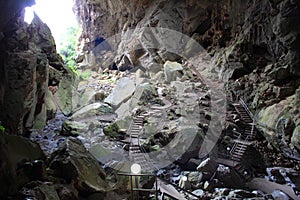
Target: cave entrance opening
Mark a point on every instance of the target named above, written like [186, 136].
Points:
[61, 20]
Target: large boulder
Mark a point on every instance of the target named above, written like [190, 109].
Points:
[51, 107]
[74, 128]
[74, 163]
[279, 122]
[207, 165]
[65, 96]
[121, 93]
[186, 144]
[107, 153]
[16, 155]
[92, 110]
[172, 70]
[23, 91]
[296, 137]
[146, 93]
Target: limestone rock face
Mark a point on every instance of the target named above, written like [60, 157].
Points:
[65, 95]
[263, 53]
[22, 99]
[26, 52]
[249, 40]
[43, 40]
[280, 123]
[119, 24]
[9, 9]
[253, 44]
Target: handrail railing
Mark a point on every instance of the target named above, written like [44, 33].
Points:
[244, 142]
[247, 109]
[250, 114]
[235, 143]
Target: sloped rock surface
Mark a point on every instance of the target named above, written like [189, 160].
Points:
[73, 162]
[280, 122]
[16, 153]
[124, 89]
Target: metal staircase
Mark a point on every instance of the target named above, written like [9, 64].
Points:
[137, 153]
[239, 149]
[241, 140]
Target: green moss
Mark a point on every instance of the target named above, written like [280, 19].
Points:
[296, 137]
[260, 103]
[272, 114]
[85, 75]
[155, 148]
[112, 130]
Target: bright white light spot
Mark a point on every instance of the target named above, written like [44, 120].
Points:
[57, 14]
[135, 168]
[184, 178]
[28, 17]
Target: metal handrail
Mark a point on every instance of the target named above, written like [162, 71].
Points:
[143, 150]
[247, 109]
[250, 114]
[129, 131]
[132, 188]
[245, 141]
[235, 143]
[252, 128]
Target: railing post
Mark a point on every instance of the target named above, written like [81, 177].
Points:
[131, 187]
[235, 144]
[156, 188]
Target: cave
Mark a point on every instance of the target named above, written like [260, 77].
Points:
[164, 100]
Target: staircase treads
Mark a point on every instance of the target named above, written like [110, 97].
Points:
[235, 159]
[238, 153]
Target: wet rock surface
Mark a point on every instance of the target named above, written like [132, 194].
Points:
[254, 45]
[19, 163]
[72, 162]
[28, 51]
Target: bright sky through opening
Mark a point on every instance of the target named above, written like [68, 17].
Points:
[57, 14]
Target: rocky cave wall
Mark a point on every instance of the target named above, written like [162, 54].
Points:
[27, 55]
[254, 47]
[241, 35]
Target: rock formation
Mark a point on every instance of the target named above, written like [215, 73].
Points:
[27, 52]
[152, 87]
[254, 44]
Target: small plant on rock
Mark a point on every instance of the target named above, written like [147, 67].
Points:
[112, 130]
[2, 129]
